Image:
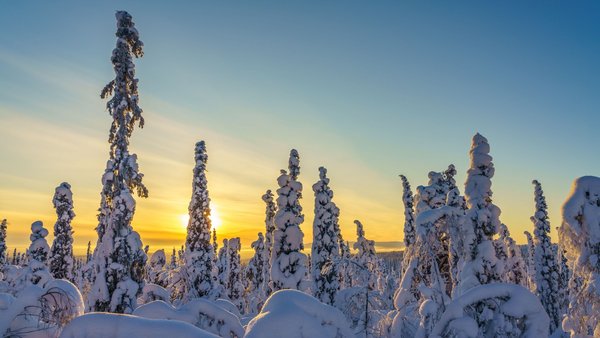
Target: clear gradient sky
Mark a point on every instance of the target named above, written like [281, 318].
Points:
[368, 89]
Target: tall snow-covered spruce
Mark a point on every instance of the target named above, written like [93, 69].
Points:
[546, 267]
[3, 255]
[580, 237]
[61, 253]
[288, 263]
[119, 260]
[270, 211]
[409, 213]
[37, 255]
[325, 254]
[366, 259]
[199, 253]
[482, 220]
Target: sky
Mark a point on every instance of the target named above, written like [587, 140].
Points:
[370, 90]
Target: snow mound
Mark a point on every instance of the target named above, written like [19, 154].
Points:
[201, 313]
[519, 303]
[108, 325]
[293, 314]
[152, 292]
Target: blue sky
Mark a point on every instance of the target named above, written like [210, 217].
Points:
[368, 89]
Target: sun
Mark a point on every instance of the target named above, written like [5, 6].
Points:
[215, 218]
[184, 219]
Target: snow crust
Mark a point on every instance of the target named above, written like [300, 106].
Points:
[293, 314]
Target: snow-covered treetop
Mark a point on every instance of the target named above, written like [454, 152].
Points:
[62, 195]
[581, 218]
[258, 242]
[123, 106]
[294, 164]
[200, 155]
[409, 213]
[2, 242]
[158, 258]
[540, 219]
[363, 245]
[478, 187]
[38, 250]
[580, 210]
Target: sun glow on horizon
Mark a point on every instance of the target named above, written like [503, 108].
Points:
[215, 218]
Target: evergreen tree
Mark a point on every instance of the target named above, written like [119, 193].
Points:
[288, 263]
[199, 251]
[580, 237]
[514, 267]
[325, 249]
[546, 269]
[481, 220]
[173, 263]
[345, 268]
[156, 268]
[88, 253]
[365, 258]
[270, 211]
[223, 266]
[480, 265]
[61, 254]
[37, 255]
[564, 274]
[530, 262]
[3, 255]
[119, 259]
[255, 275]
[409, 213]
[236, 287]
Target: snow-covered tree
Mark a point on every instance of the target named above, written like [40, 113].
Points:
[88, 252]
[255, 275]
[37, 255]
[199, 251]
[325, 252]
[3, 255]
[345, 267]
[156, 268]
[580, 237]
[270, 211]
[119, 260]
[288, 263]
[173, 262]
[223, 265]
[480, 266]
[236, 287]
[366, 258]
[515, 270]
[482, 221]
[409, 213]
[61, 253]
[564, 275]
[530, 263]
[546, 269]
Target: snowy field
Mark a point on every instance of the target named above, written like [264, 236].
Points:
[461, 273]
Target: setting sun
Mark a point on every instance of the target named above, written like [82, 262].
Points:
[215, 218]
[184, 219]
